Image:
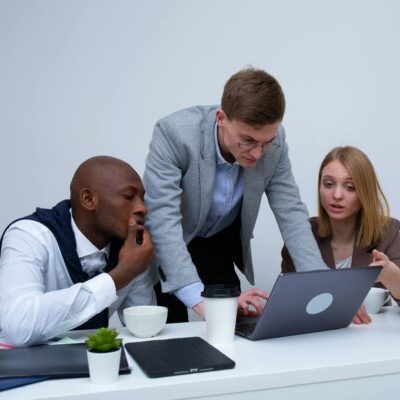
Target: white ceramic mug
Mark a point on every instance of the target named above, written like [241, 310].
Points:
[145, 321]
[220, 309]
[375, 300]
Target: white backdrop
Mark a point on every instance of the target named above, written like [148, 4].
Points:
[82, 78]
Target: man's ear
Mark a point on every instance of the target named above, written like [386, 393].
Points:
[220, 117]
[88, 199]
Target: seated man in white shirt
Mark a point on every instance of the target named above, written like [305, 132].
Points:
[73, 265]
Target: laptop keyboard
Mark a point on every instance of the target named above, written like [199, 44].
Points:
[246, 328]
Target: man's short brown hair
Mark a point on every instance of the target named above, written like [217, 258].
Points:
[254, 97]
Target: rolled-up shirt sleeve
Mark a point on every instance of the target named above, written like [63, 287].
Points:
[190, 295]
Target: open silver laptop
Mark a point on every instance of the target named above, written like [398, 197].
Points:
[304, 302]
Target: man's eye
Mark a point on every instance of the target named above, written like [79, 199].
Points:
[128, 196]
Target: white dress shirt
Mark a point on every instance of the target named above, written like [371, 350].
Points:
[38, 299]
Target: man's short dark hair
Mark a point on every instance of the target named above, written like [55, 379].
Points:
[254, 97]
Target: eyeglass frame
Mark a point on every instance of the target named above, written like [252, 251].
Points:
[249, 144]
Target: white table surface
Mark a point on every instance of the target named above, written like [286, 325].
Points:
[355, 362]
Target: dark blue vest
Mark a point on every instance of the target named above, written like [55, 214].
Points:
[58, 221]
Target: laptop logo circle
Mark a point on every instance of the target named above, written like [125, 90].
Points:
[319, 303]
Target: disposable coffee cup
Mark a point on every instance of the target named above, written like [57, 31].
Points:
[220, 309]
[375, 300]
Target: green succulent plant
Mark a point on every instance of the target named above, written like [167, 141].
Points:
[103, 340]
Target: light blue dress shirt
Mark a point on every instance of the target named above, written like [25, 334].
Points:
[228, 194]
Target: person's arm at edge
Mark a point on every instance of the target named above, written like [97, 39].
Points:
[390, 275]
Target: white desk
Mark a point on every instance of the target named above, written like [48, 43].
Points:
[355, 362]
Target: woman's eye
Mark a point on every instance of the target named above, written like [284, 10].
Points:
[328, 184]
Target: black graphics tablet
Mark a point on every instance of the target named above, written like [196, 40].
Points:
[305, 302]
[169, 357]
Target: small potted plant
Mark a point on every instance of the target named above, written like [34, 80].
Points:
[104, 355]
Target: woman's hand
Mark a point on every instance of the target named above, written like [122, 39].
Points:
[390, 274]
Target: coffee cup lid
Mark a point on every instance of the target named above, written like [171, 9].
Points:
[221, 291]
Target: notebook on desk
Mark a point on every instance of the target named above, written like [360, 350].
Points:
[305, 302]
[59, 361]
[10, 383]
[169, 357]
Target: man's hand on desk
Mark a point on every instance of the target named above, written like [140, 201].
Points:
[199, 309]
[361, 316]
[249, 304]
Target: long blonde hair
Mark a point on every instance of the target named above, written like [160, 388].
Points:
[374, 211]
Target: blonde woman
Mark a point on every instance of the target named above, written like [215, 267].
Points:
[353, 227]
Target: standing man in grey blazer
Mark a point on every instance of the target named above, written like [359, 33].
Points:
[206, 172]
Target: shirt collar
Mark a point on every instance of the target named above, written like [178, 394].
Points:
[220, 159]
[84, 246]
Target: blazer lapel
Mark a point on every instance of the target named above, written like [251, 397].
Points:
[207, 181]
[326, 252]
[255, 181]
[361, 257]
[254, 185]
[207, 168]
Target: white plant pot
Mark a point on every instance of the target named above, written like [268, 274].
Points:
[104, 367]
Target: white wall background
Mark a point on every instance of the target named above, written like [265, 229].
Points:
[82, 78]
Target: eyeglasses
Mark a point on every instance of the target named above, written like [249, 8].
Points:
[248, 145]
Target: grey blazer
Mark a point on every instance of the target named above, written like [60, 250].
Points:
[179, 181]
